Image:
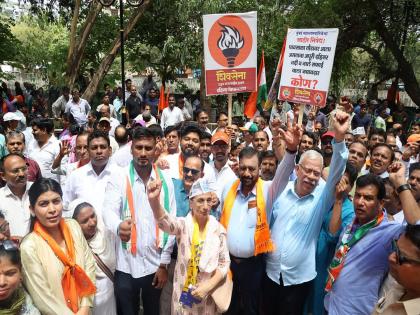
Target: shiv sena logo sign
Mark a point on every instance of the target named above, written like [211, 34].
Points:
[230, 52]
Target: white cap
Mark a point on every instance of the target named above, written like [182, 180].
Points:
[359, 131]
[202, 186]
[10, 116]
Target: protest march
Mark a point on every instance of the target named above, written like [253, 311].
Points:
[283, 198]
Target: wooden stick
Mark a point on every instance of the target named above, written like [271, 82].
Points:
[300, 119]
[229, 109]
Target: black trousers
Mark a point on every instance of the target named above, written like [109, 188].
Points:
[284, 300]
[127, 294]
[247, 281]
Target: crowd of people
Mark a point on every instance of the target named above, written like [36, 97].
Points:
[128, 208]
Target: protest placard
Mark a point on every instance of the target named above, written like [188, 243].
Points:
[230, 52]
[307, 66]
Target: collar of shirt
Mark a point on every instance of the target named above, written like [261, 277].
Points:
[137, 177]
[222, 169]
[9, 193]
[90, 169]
[253, 191]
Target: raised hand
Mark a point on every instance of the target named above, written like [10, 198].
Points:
[153, 190]
[292, 136]
[341, 188]
[397, 174]
[124, 230]
[341, 125]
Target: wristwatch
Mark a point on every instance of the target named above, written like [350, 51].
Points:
[403, 187]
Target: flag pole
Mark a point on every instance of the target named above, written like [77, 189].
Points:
[229, 109]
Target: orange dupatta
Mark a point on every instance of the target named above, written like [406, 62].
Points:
[262, 237]
[75, 281]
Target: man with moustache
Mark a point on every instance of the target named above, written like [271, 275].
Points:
[171, 115]
[290, 268]
[326, 147]
[203, 120]
[261, 141]
[143, 251]
[14, 199]
[358, 153]
[190, 145]
[268, 165]
[89, 181]
[381, 158]
[205, 146]
[414, 181]
[361, 259]
[246, 205]
[172, 139]
[15, 143]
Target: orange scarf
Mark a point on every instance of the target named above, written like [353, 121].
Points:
[75, 281]
[262, 238]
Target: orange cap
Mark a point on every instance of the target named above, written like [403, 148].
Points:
[414, 138]
[220, 136]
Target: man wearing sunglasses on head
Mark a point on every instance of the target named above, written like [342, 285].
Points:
[404, 264]
[361, 259]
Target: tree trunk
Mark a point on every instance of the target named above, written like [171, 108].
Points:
[73, 64]
[109, 59]
[405, 69]
[73, 34]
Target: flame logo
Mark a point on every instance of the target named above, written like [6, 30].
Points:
[230, 42]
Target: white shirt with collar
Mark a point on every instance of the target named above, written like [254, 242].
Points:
[171, 117]
[79, 110]
[148, 256]
[45, 156]
[122, 157]
[16, 210]
[223, 177]
[85, 184]
[114, 124]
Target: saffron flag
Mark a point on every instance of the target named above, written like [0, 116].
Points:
[162, 101]
[256, 100]
[272, 94]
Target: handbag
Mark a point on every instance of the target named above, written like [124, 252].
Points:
[222, 294]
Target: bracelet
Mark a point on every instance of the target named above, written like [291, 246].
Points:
[403, 187]
[291, 152]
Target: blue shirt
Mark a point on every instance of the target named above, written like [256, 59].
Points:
[243, 218]
[325, 250]
[181, 198]
[153, 105]
[356, 289]
[296, 223]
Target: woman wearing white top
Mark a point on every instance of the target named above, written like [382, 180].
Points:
[102, 244]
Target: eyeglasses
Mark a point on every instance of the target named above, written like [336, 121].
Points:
[308, 171]
[193, 171]
[401, 259]
[9, 245]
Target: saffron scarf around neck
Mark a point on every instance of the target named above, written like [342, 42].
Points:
[262, 237]
[75, 282]
[129, 210]
[351, 236]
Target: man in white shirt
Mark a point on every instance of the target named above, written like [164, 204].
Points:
[78, 107]
[89, 182]
[171, 115]
[203, 119]
[143, 251]
[104, 125]
[59, 105]
[220, 150]
[14, 199]
[105, 102]
[45, 148]
[190, 145]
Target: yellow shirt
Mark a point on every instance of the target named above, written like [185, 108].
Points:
[42, 271]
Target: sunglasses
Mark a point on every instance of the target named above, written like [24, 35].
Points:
[9, 245]
[401, 259]
[193, 171]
